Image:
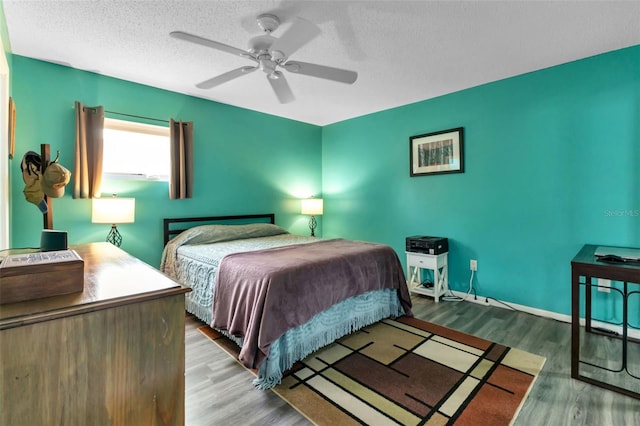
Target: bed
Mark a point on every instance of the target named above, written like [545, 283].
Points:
[280, 296]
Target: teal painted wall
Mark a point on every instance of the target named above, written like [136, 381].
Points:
[245, 162]
[551, 163]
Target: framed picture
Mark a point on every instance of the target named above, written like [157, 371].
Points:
[437, 153]
[12, 127]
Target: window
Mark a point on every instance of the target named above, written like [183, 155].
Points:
[135, 151]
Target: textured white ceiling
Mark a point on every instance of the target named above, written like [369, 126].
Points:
[404, 51]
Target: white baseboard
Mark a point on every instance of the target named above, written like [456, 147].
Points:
[483, 300]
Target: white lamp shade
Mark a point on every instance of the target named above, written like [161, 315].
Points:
[113, 210]
[312, 206]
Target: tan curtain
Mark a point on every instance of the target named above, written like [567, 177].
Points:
[181, 178]
[87, 168]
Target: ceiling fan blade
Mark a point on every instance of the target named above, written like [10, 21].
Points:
[297, 35]
[281, 87]
[321, 71]
[181, 35]
[223, 78]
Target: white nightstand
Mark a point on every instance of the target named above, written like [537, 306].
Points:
[438, 263]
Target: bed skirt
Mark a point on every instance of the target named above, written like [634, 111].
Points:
[324, 328]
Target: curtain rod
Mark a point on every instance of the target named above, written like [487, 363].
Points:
[127, 115]
[137, 116]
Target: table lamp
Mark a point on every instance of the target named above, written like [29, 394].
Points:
[313, 207]
[113, 210]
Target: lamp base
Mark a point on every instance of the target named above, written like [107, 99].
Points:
[312, 225]
[114, 236]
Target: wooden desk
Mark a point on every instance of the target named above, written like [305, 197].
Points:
[584, 265]
[110, 355]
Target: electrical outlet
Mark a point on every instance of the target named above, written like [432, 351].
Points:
[473, 264]
[604, 285]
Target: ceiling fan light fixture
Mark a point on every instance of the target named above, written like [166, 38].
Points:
[267, 66]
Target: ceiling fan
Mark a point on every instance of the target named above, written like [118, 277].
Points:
[270, 54]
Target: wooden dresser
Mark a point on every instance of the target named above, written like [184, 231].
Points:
[111, 355]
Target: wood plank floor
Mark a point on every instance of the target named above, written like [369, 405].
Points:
[219, 390]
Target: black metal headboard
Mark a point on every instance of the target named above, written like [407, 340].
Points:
[171, 229]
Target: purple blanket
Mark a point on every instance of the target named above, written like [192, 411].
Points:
[261, 294]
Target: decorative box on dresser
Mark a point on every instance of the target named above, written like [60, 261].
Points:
[112, 354]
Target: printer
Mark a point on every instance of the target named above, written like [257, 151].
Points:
[427, 245]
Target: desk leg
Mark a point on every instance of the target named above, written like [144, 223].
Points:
[587, 304]
[625, 322]
[575, 323]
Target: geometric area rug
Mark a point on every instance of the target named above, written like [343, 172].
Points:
[407, 372]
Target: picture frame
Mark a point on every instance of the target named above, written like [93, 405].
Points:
[12, 128]
[437, 153]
